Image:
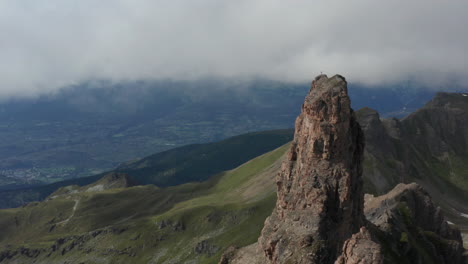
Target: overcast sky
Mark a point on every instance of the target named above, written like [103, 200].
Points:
[45, 45]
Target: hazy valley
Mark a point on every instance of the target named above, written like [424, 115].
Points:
[206, 210]
[91, 128]
[195, 132]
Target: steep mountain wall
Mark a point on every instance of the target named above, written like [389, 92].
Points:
[319, 215]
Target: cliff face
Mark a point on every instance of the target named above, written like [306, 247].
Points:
[429, 147]
[421, 147]
[319, 215]
[320, 200]
[413, 227]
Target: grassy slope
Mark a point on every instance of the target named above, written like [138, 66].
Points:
[190, 163]
[145, 224]
[198, 162]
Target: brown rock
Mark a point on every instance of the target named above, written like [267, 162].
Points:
[320, 200]
[361, 248]
[414, 226]
[319, 214]
[412, 229]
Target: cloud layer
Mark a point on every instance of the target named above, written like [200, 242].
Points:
[45, 45]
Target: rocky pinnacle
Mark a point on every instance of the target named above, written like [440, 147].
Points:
[319, 214]
[320, 198]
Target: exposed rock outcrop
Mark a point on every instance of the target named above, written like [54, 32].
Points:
[382, 148]
[320, 200]
[422, 147]
[429, 147]
[319, 215]
[113, 180]
[412, 228]
[361, 248]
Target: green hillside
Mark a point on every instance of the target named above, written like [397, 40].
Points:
[195, 222]
[192, 163]
[145, 224]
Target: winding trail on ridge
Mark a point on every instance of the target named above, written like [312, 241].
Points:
[72, 214]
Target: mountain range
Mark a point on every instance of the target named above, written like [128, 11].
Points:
[191, 163]
[116, 220]
[93, 127]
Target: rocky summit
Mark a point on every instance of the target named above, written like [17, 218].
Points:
[319, 215]
[320, 201]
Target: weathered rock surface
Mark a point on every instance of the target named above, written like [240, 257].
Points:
[320, 198]
[361, 248]
[381, 148]
[413, 228]
[404, 227]
[319, 215]
[422, 147]
[429, 147]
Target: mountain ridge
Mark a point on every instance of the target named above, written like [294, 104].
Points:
[429, 147]
[319, 214]
[189, 223]
[164, 169]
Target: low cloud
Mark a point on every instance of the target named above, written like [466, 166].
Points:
[46, 45]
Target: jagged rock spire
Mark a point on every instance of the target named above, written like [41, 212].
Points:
[320, 198]
[319, 215]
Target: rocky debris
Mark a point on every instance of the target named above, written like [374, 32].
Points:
[7, 255]
[205, 247]
[176, 226]
[22, 251]
[163, 224]
[65, 245]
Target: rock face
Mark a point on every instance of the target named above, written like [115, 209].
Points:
[319, 215]
[361, 248]
[413, 228]
[382, 146]
[320, 199]
[429, 147]
[422, 147]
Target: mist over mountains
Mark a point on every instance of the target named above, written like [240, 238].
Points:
[55, 44]
[207, 219]
[180, 131]
[86, 129]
